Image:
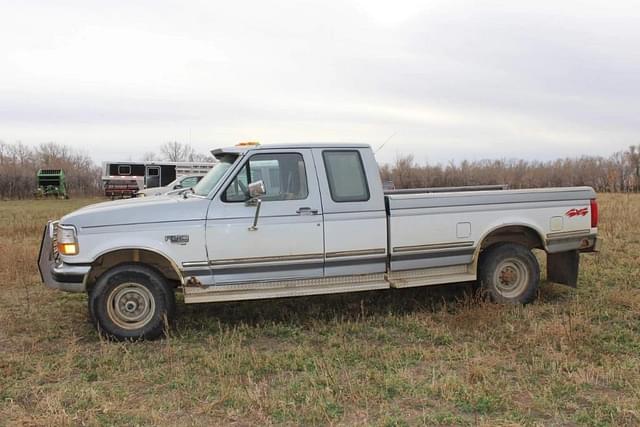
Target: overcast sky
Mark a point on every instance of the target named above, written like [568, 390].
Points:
[449, 79]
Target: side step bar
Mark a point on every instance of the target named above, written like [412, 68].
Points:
[281, 289]
[431, 276]
[196, 293]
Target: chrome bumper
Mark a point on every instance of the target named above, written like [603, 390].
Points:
[56, 274]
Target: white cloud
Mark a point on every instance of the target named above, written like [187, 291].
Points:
[452, 79]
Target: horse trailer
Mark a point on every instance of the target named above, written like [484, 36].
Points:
[125, 179]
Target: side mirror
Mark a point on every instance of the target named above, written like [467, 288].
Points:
[256, 190]
[177, 186]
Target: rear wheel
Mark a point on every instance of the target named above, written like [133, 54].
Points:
[132, 302]
[509, 273]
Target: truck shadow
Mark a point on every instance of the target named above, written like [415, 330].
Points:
[345, 307]
[350, 307]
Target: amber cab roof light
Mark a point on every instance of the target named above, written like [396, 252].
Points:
[248, 144]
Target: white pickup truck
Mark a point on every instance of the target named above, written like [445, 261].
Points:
[292, 220]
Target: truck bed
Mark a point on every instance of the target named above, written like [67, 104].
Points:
[441, 232]
[478, 195]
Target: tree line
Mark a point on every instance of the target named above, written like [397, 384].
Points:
[19, 164]
[619, 172]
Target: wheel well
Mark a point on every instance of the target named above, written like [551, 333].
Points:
[134, 256]
[519, 234]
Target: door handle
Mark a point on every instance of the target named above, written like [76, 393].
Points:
[307, 211]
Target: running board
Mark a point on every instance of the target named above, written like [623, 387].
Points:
[282, 289]
[431, 276]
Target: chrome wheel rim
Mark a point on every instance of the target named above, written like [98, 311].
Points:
[131, 305]
[511, 277]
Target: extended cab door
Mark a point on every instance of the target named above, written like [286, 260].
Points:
[288, 241]
[355, 220]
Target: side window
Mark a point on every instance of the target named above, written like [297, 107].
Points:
[346, 176]
[284, 177]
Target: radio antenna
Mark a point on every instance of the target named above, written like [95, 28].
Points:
[385, 143]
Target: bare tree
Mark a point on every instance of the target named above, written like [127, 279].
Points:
[149, 156]
[176, 151]
[199, 157]
[633, 155]
[19, 164]
[619, 172]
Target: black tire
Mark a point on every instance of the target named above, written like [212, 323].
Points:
[132, 302]
[509, 273]
[92, 315]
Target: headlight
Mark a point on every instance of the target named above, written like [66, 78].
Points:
[67, 240]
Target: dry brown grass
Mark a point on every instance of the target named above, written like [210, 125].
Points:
[428, 356]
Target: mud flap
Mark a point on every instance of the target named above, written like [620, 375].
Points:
[562, 268]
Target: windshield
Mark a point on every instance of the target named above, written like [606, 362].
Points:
[211, 179]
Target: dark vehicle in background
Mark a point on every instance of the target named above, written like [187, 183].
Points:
[51, 183]
[126, 179]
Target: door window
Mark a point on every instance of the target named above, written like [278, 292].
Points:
[284, 178]
[346, 176]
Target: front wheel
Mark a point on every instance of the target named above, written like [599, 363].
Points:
[509, 273]
[132, 302]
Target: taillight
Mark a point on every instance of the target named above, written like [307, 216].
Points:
[594, 213]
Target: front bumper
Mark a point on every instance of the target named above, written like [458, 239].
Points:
[54, 272]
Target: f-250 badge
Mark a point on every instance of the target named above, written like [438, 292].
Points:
[577, 212]
[181, 239]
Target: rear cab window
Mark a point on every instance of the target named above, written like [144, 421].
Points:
[346, 176]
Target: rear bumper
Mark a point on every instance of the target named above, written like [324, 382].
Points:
[570, 241]
[131, 193]
[56, 274]
[596, 246]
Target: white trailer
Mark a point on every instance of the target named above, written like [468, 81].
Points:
[126, 179]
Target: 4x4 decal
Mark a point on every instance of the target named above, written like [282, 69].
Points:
[577, 212]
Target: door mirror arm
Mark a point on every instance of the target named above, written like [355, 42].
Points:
[257, 203]
[256, 190]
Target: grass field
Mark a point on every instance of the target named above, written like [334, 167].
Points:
[426, 356]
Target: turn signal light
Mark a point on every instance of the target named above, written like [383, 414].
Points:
[68, 248]
[66, 240]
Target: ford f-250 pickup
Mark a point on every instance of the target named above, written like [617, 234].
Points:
[292, 220]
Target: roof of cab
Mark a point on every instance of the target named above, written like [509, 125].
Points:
[244, 148]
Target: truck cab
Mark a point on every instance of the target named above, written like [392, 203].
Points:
[322, 214]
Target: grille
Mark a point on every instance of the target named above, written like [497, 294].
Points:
[54, 242]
